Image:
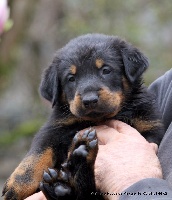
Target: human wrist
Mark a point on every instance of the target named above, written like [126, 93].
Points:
[114, 189]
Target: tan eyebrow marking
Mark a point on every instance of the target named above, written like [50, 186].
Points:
[73, 69]
[99, 63]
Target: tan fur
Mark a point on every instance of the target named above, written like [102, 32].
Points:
[125, 84]
[99, 63]
[37, 164]
[113, 98]
[143, 125]
[74, 104]
[73, 69]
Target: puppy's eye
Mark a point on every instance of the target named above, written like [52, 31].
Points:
[106, 70]
[71, 78]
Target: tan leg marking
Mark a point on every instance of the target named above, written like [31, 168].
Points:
[27, 176]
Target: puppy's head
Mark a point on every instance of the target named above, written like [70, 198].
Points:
[92, 74]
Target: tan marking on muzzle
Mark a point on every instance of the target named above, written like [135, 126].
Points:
[75, 104]
[112, 99]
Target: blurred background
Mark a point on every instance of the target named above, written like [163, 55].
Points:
[39, 29]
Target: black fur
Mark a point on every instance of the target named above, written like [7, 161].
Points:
[79, 101]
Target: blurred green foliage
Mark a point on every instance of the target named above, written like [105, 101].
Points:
[26, 129]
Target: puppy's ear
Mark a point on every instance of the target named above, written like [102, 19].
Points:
[49, 85]
[135, 62]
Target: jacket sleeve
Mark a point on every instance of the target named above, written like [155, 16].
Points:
[162, 89]
[146, 189]
[153, 188]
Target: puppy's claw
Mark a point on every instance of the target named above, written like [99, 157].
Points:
[64, 165]
[64, 176]
[85, 134]
[76, 137]
[92, 135]
[53, 173]
[41, 186]
[93, 143]
[47, 177]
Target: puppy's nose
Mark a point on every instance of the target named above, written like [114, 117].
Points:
[90, 100]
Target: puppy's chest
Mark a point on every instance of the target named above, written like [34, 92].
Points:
[125, 116]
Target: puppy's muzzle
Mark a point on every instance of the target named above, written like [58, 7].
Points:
[90, 100]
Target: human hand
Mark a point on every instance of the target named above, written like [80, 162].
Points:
[124, 158]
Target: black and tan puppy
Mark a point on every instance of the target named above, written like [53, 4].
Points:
[93, 78]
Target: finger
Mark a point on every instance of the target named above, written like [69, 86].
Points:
[122, 127]
[98, 128]
[106, 134]
[36, 196]
[93, 127]
[155, 147]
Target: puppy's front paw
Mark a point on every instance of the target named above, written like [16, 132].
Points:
[67, 183]
[80, 163]
[84, 147]
[55, 184]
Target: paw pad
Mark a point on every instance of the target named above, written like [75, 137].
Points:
[55, 183]
[81, 151]
[62, 190]
[83, 144]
